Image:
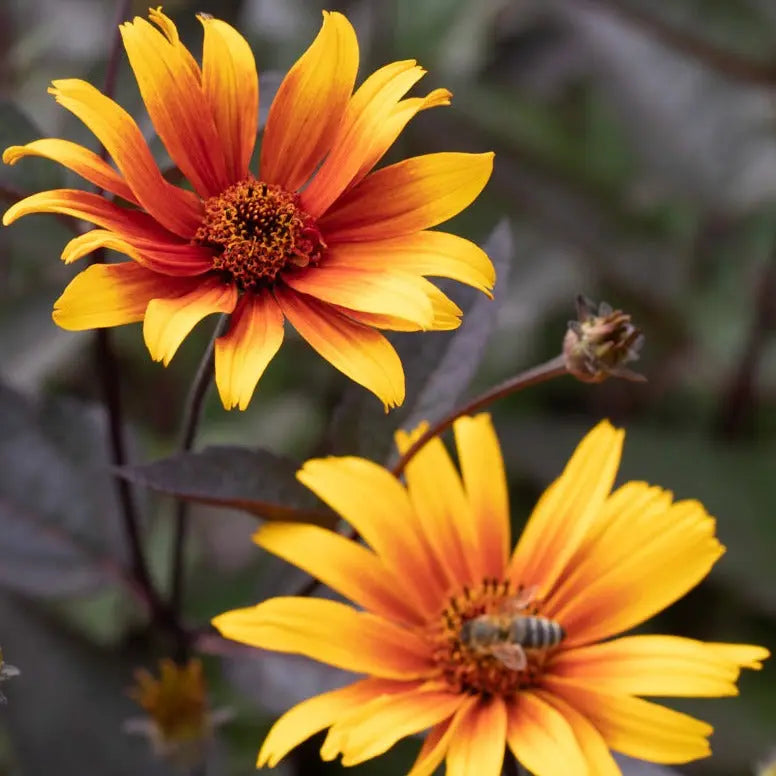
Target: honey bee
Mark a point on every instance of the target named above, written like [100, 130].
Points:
[506, 634]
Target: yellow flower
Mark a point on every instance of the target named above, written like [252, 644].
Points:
[314, 237]
[437, 571]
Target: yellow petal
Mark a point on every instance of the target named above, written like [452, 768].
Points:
[478, 746]
[407, 197]
[567, 509]
[360, 353]
[309, 105]
[332, 633]
[343, 565]
[243, 353]
[485, 482]
[743, 655]
[168, 321]
[231, 87]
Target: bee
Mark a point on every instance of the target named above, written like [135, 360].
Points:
[506, 634]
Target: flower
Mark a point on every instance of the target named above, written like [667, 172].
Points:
[7, 671]
[314, 237]
[437, 571]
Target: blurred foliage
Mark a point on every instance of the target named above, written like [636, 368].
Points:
[636, 162]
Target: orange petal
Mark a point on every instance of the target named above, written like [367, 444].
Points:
[307, 718]
[567, 509]
[308, 108]
[407, 197]
[113, 294]
[243, 353]
[360, 132]
[75, 157]
[178, 210]
[343, 565]
[168, 321]
[432, 253]
[231, 87]
[634, 726]
[437, 742]
[485, 482]
[399, 294]
[177, 104]
[542, 739]
[479, 743]
[361, 353]
[375, 503]
[332, 633]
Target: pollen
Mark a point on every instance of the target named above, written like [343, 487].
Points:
[257, 230]
[477, 671]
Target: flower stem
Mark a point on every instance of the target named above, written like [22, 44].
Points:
[203, 379]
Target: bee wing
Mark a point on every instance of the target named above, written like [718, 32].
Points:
[520, 602]
[511, 655]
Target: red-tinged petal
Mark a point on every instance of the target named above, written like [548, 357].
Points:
[243, 353]
[407, 197]
[332, 633]
[178, 210]
[75, 157]
[477, 749]
[361, 353]
[399, 294]
[359, 133]
[309, 717]
[542, 739]
[308, 108]
[437, 742]
[437, 254]
[343, 565]
[168, 321]
[178, 107]
[113, 294]
[231, 87]
[634, 726]
[485, 483]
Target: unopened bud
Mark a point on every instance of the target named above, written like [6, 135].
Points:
[600, 342]
[6, 672]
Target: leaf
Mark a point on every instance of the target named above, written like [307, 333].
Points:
[438, 367]
[256, 481]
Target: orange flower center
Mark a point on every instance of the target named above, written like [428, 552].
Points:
[492, 639]
[256, 230]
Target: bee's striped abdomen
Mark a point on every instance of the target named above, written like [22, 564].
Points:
[536, 632]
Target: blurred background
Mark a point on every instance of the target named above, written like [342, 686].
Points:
[635, 162]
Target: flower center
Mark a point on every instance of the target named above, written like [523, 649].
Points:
[257, 230]
[492, 639]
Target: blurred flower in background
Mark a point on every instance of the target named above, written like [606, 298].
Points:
[488, 648]
[6, 672]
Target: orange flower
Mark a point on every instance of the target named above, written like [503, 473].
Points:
[486, 649]
[315, 237]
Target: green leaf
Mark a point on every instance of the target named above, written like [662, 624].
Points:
[256, 481]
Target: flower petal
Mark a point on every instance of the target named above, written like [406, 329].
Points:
[674, 551]
[231, 87]
[168, 321]
[308, 107]
[485, 483]
[438, 254]
[113, 294]
[332, 633]
[395, 293]
[634, 726]
[477, 749]
[178, 210]
[374, 728]
[375, 503]
[243, 353]
[408, 196]
[75, 157]
[343, 565]
[542, 739]
[437, 742]
[307, 718]
[567, 509]
[176, 102]
[360, 132]
[656, 665]
[361, 353]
